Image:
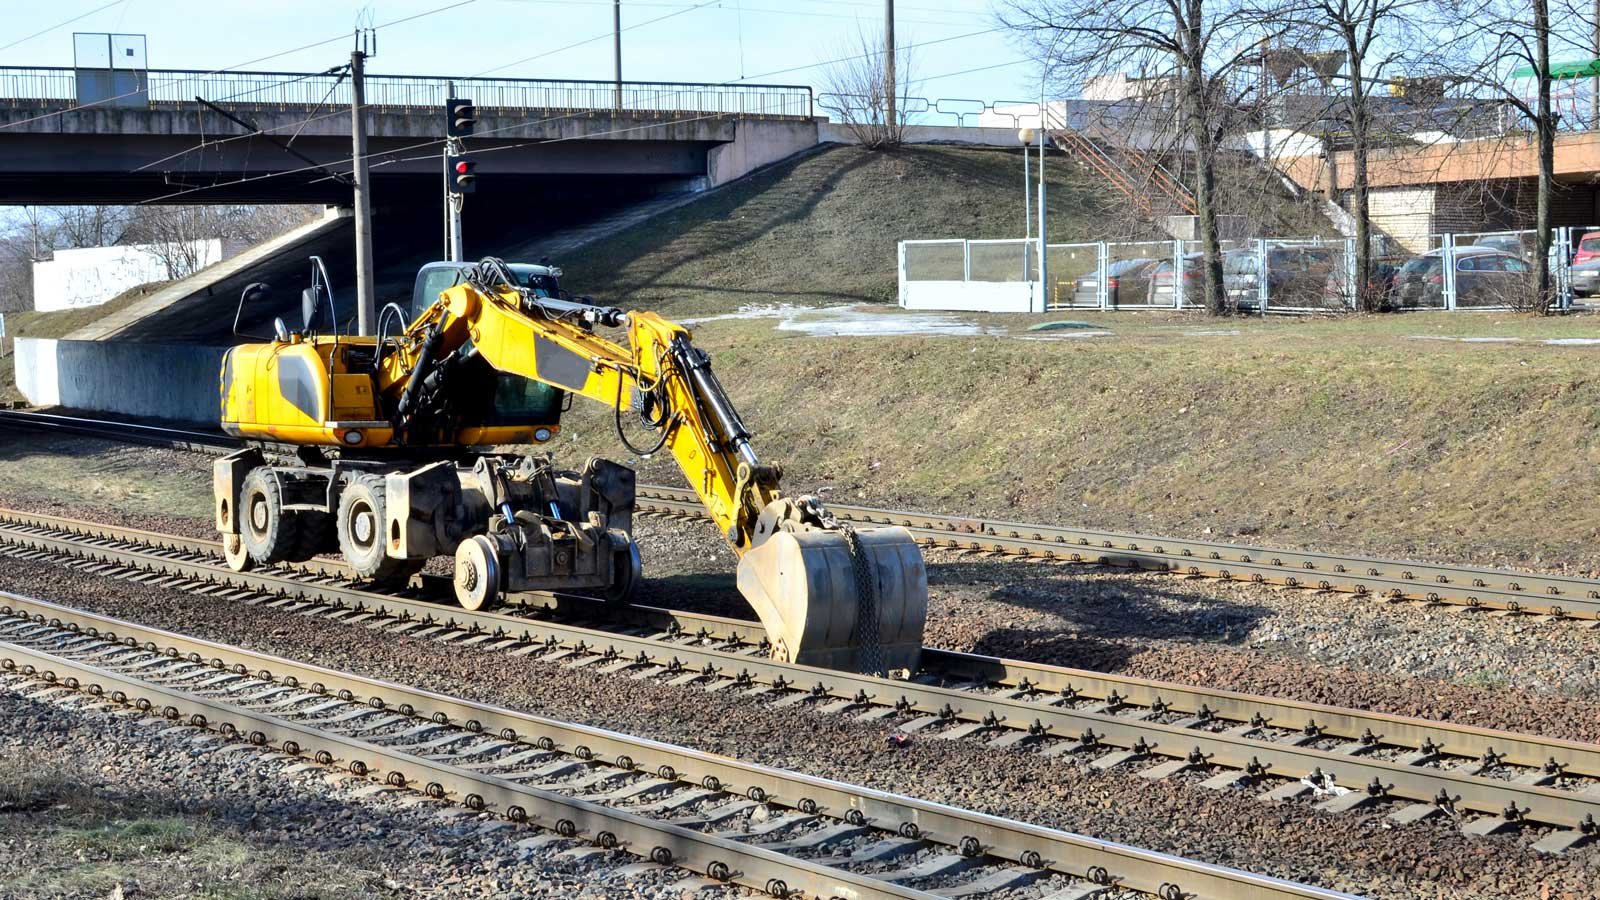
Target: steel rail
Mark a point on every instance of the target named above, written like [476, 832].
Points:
[1199, 737]
[1561, 596]
[1498, 589]
[1042, 848]
[751, 866]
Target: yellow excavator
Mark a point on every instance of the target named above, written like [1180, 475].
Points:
[383, 452]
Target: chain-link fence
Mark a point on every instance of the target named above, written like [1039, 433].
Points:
[1466, 270]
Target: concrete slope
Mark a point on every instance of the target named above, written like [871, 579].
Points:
[192, 308]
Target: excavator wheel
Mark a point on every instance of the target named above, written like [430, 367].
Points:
[477, 579]
[266, 531]
[359, 523]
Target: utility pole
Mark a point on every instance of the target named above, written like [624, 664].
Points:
[366, 304]
[1594, 96]
[616, 47]
[888, 64]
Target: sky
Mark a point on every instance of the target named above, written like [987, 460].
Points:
[696, 40]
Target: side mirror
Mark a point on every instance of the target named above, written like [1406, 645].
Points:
[310, 309]
[254, 292]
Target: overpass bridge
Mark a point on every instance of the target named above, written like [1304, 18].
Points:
[1482, 184]
[72, 136]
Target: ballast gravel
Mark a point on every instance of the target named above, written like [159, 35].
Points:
[114, 780]
[1356, 852]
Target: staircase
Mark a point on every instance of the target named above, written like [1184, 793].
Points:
[1138, 175]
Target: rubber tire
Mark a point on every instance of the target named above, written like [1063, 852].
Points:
[365, 495]
[271, 539]
[314, 533]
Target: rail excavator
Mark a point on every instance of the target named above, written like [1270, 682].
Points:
[383, 448]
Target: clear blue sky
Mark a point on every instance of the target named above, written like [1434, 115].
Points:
[720, 41]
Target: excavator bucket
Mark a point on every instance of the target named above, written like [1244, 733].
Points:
[819, 600]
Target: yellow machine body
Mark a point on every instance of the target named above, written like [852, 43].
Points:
[828, 595]
[310, 391]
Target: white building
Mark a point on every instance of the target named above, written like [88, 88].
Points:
[93, 275]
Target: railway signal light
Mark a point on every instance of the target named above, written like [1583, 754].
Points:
[459, 117]
[463, 175]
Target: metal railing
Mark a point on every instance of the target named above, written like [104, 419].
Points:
[1457, 271]
[33, 85]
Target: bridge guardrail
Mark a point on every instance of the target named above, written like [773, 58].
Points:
[22, 85]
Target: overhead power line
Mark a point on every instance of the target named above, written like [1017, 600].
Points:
[531, 120]
[45, 31]
[260, 59]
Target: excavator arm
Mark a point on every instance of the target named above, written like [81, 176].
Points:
[828, 594]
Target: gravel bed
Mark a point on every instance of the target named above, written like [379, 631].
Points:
[129, 809]
[1355, 852]
[1515, 673]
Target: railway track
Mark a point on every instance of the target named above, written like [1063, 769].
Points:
[776, 831]
[1492, 591]
[1406, 768]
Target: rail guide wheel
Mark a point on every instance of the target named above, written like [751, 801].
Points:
[234, 553]
[477, 580]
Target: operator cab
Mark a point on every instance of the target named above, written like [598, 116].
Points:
[510, 399]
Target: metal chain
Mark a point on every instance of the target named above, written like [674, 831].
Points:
[867, 636]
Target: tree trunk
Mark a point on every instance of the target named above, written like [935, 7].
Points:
[1547, 156]
[1205, 177]
[1366, 298]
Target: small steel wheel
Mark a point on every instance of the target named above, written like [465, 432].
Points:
[234, 553]
[627, 570]
[477, 580]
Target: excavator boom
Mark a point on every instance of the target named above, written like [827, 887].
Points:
[827, 594]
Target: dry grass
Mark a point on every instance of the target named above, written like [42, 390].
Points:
[1337, 434]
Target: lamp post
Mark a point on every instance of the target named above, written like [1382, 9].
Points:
[1025, 136]
[1044, 264]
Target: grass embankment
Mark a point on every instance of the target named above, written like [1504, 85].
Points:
[823, 229]
[1347, 434]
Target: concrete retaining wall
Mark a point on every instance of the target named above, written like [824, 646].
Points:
[160, 381]
[758, 143]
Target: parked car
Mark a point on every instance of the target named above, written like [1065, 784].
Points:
[1588, 248]
[1296, 276]
[1161, 281]
[1484, 277]
[1127, 281]
[1505, 243]
[1586, 278]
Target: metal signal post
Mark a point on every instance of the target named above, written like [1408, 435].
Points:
[459, 178]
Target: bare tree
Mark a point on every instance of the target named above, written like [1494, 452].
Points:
[869, 99]
[177, 235]
[1491, 37]
[1375, 37]
[89, 226]
[1197, 47]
